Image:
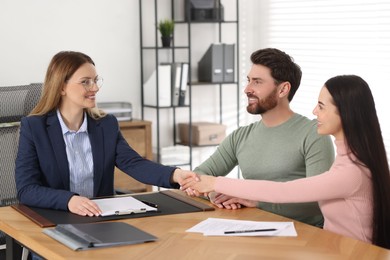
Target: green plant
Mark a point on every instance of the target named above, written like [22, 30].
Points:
[166, 27]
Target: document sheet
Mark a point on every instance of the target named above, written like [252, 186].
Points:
[229, 227]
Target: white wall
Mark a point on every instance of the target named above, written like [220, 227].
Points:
[33, 31]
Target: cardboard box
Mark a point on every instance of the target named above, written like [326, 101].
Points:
[203, 133]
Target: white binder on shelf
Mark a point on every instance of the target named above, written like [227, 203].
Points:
[176, 81]
[163, 88]
[183, 83]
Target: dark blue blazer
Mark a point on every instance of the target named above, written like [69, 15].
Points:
[42, 170]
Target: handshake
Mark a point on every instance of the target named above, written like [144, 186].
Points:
[196, 185]
[204, 185]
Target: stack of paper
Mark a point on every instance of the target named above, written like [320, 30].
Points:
[229, 227]
[174, 155]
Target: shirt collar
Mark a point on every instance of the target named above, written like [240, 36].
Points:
[65, 129]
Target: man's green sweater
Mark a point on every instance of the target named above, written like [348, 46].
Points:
[286, 152]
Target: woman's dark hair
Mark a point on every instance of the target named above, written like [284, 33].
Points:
[353, 98]
[282, 66]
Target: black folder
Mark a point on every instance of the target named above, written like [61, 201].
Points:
[97, 235]
[169, 202]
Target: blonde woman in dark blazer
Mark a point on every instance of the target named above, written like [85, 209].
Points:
[68, 148]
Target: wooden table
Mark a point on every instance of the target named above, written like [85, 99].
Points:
[175, 243]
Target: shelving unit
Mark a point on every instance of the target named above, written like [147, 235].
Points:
[185, 37]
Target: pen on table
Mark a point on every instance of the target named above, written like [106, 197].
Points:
[249, 231]
[149, 203]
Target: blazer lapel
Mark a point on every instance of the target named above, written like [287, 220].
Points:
[96, 137]
[58, 145]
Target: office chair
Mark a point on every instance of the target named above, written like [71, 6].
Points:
[15, 103]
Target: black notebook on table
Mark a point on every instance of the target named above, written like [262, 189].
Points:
[97, 235]
[169, 202]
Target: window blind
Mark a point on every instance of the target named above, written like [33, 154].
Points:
[333, 37]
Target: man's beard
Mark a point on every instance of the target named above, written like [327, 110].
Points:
[264, 105]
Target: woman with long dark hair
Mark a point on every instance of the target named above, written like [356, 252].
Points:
[354, 195]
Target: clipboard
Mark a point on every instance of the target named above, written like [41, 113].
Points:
[122, 205]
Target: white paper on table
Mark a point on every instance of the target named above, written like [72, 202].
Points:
[111, 206]
[217, 227]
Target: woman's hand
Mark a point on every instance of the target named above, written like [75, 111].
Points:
[229, 202]
[83, 206]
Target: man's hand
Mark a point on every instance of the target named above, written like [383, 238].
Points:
[83, 206]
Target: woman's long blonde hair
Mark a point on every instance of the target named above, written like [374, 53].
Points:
[61, 68]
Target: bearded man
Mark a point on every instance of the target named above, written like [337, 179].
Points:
[281, 146]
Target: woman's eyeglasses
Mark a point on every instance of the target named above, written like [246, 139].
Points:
[88, 83]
